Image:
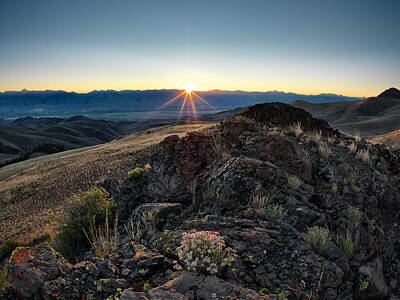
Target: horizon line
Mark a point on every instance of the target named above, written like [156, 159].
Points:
[175, 89]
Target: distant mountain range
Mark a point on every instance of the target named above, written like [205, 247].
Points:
[136, 104]
[371, 116]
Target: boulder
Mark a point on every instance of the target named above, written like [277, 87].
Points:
[372, 283]
[30, 267]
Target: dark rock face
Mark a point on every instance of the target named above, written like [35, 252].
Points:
[391, 93]
[376, 288]
[234, 180]
[281, 114]
[37, 272]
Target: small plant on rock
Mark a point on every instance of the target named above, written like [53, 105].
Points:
[259, 200]
[293, 182]
[357, 136]
[352, 178]
[324, 150]
[204, 251]
[275, 211]
[371, 226]
[353, 147]
[318, 238]
[363, 155]
[316, 136]
[135, 173]
[297, 129]
[354, 217]
[331, 139]
[105, 240]
[346, 244]
[305, 157]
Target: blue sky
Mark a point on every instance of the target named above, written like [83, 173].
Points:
[345, 47]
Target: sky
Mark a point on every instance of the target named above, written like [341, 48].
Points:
[311, 47]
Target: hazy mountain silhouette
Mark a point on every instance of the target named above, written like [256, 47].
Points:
[113, 103]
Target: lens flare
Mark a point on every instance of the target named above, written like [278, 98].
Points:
[189, 96]
[189, 88]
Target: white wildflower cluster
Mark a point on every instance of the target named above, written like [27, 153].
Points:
[204, 251]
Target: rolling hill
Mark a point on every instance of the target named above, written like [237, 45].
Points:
[391, 138]
[371, 116]
[31, 137]
[32, 190]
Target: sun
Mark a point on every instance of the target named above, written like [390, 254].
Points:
[189, 88]
[190, 97]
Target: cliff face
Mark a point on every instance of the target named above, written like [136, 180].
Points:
[265, 188]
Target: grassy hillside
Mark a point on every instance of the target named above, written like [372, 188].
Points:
[33, 191]
[391, 138]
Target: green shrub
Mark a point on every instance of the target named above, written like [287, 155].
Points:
[318, 238]
[7, 248]
[82, 209]
[135, 173]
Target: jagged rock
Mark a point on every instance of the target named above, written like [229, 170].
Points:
[194, 286]
[281, 114]
[372, 283]
[30, 268]
[336, 255]
[160, 210]
[106, 268]
[110, 285]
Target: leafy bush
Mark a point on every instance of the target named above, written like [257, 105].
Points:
[80, 212]
[7, 248]
[204, 251]
[135, 173]
[318, 238]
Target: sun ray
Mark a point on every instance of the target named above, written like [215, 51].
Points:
[201, 99]
[193, 107]
[172, 100]
[183, 104]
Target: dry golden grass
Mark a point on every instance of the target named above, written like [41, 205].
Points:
[33, 192]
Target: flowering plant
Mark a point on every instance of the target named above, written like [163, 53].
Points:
[204, 251]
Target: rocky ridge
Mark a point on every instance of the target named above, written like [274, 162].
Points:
[208, 181]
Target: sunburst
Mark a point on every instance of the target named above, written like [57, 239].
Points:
[189, 98]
